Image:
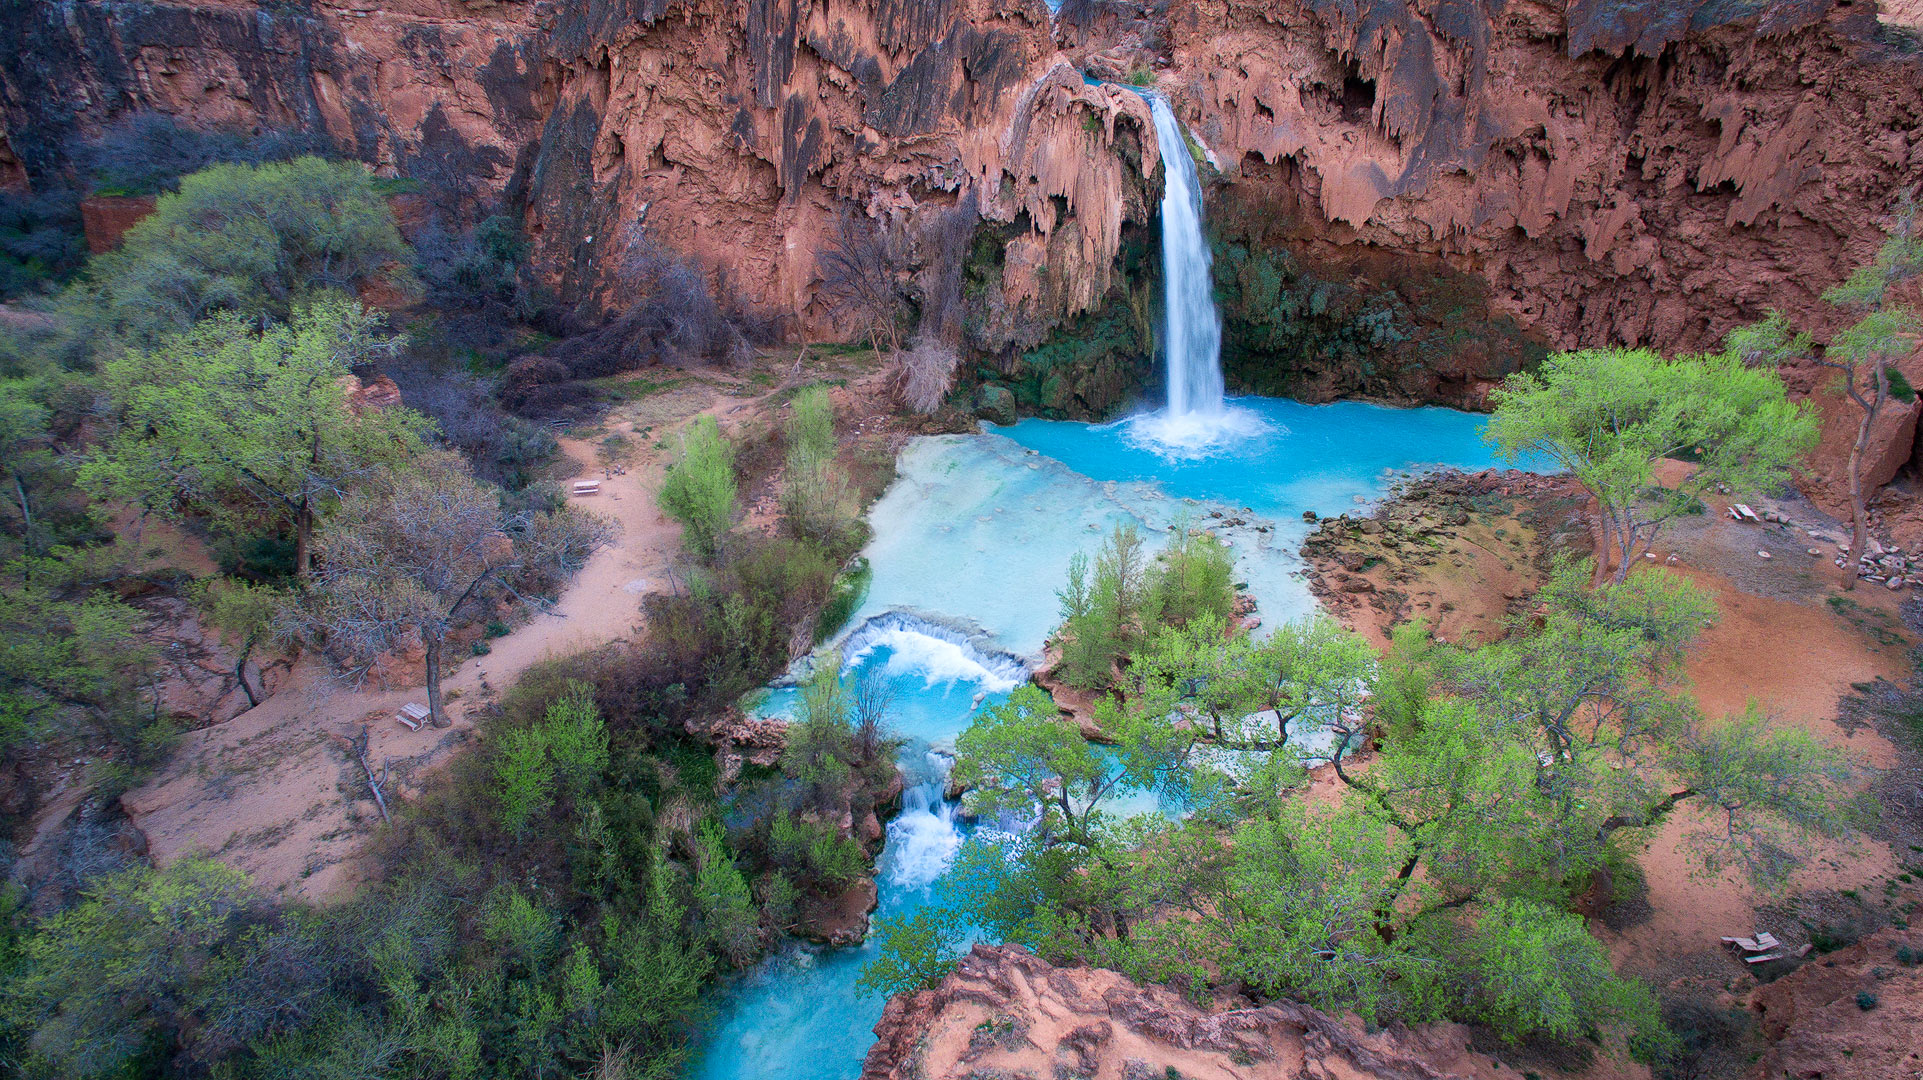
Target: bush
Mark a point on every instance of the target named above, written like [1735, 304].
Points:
[258, 240]
[927, 374]
[1194, 579]
[699, 489]
[816, 499]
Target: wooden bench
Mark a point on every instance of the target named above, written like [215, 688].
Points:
[413, 715]
[587, 487]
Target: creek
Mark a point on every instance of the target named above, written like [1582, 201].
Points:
[970, 545]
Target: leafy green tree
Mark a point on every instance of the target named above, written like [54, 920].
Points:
[918, 950]
[247, 611]
[1104, 608]
[260, 241]
[1439, 881]
[1533, 971]
[65, 646]
[1609, 416]
[699, 489]
[155, 956]
[245, 425]
[816, 501]
[722, 898]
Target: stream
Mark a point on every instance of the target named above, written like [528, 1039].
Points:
[971, 543]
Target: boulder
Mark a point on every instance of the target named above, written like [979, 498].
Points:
[995, 403]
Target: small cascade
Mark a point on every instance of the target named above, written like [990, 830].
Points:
[1196, 419]
[924, 837]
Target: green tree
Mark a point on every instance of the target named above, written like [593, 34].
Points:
[255, 240]
[151, 957]
[65, 645]
[1439, 881]
[816, 501]
[248, 612]
[722, 898]
[242, 424]
[1609, 416]
[699, 489]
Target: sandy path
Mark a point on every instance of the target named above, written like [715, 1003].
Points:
[275, 792]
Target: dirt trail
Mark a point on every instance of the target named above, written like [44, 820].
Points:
[275, 791]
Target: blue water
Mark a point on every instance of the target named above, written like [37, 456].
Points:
[970, 544]
[1325, 458]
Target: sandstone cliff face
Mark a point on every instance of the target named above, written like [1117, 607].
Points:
[1005, 1012]
[1613, 170]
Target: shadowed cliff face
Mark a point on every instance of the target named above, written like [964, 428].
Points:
[1605, 170]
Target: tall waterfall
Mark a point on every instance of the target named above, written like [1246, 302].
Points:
[1194, 339]
[1196, 422]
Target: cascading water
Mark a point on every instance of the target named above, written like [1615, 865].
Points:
[1196, 419]
[1194, 339]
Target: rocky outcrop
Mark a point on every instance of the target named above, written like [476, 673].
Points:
[1005, 1012]
[1612, 170]
[1854, 1014]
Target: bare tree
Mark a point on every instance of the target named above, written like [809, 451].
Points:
[859, 282]
[927, 373]
[410, 556]
[868, 708]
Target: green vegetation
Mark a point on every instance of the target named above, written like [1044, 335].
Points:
[1610, 416]
[699, 490]
[1864, 353]
[248, 426]
[259, 241]
[817, 502]
[1441, 882]
[1109, 610]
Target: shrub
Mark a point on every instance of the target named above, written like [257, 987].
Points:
[699, 490]
[258, 240]
[816, 499]
[1195, 578]
[927, 374]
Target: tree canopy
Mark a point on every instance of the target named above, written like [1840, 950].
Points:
[250, 426]
[1609, 416]
[256, 240]
[1442, 879]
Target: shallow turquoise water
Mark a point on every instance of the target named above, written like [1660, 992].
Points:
[970, 545]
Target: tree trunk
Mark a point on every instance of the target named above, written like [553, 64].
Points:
[240, 673]
[1859, 514]
[435, 712]
[303, 539]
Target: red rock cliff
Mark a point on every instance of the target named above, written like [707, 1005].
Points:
[1614, 170]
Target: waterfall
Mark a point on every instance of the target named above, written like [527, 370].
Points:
[1194, 339]
[924, 837]
[1196, 421]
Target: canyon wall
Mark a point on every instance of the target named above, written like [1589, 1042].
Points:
[1593, 170]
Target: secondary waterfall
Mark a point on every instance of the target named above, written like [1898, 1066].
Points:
[1194, 339]
[1196, 420]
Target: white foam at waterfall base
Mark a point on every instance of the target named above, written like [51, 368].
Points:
[917, 648]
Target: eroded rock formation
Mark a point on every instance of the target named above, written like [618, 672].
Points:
[1611, 170]
[1005, 1012]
